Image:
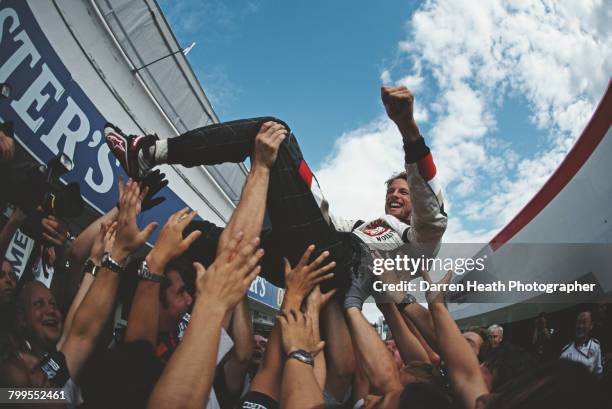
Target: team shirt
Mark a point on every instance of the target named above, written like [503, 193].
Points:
[427, 219]
[588, 354]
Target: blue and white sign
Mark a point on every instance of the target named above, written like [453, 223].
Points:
[52, 114]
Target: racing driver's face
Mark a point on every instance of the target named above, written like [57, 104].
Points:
[397, 201]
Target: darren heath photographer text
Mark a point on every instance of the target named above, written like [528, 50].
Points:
[497, 286]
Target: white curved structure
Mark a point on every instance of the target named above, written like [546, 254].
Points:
[563, 234]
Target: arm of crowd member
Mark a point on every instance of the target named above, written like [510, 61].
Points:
[81, 246]
[237, 363]
[187, 379]
[462, 364]
[421, 318]
[97, 305]
[434, 358]
[407, 343]
[372, 353]
[299, 282]
[9, 229]
[339, 352]
[249, 215]
[361, 384]
[143, 319]
[428, 219]
[315, 301]
[300, 388]
[103, 242]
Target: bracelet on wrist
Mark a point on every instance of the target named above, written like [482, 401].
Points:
[145, 274]
[112, 265]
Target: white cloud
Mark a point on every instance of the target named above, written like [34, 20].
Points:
[553, 54]
[353, 176]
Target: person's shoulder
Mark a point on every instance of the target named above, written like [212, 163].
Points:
[566, 347]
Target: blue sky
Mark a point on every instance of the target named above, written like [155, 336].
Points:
[315, 64]
[502, 90]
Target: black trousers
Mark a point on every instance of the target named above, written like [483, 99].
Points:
[296, 218]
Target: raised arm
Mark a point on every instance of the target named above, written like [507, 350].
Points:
[248, 216]
[421, 318]
[428, 219]
[98, 304]
[377, 362]
[434, 358]
[313, 304]
[241, 331]
[102, 244]
[339, 353]
[187, 379]
[462, 364]
[82, 245]
[300, 388]
[407, 343]
[300, 281]
[143, 321]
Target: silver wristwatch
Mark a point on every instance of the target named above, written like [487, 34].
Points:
[145, 274]
[302, 356]
[111, 264]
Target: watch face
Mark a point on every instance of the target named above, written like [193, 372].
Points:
[303, 356]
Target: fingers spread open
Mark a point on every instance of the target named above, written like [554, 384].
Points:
[306, 256]
[318, 260]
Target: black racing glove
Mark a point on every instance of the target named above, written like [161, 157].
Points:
[156, 181]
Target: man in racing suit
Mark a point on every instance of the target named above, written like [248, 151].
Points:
[297, 211]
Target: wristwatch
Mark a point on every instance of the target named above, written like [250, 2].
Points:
[406, 301]
[145, 274]
[90, 267]
[302, 356]
[111, 264]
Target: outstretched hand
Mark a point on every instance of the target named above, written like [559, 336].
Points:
[302, 278]
[316, 300]
[436, 295]
[129, 237]
[297, 332]
[103, 242]
[170, 242]
[267, 143]
[225, 282]
[155, 181]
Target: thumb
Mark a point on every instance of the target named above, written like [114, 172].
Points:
[287, 266]
[200, 271]
[149, 229]
[326, 296]
[318, 348]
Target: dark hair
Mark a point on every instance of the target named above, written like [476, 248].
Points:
[508, 361]
[187, 273]
[130, 281]
[486, 343]
[401, 175]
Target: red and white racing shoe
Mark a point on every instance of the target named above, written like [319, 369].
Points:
[135, 152]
